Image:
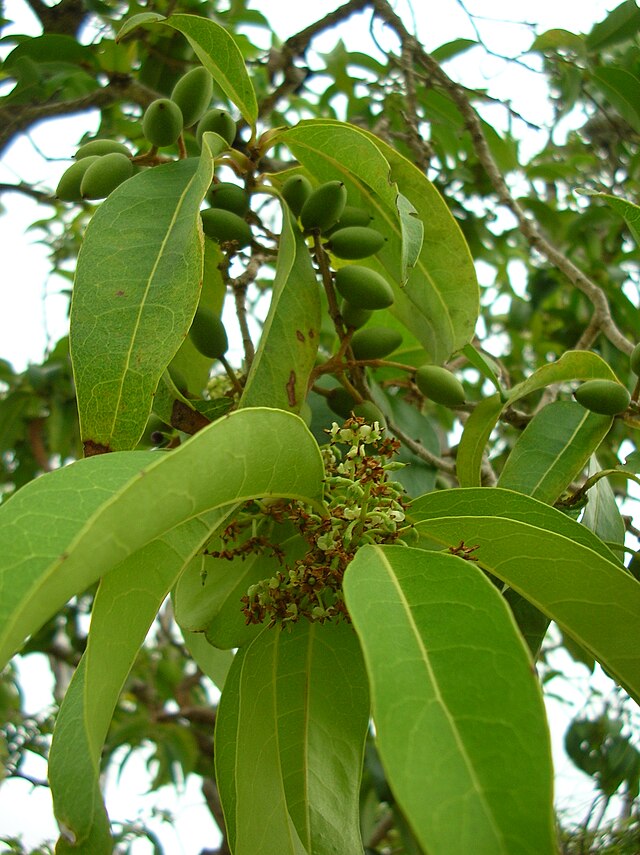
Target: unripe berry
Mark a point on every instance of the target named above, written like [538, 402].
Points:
[295, 192]
[208, 334]
[162, 122]
[105, 174]
[219, 122]
[101, 147]
[192, 93]
[68, 188]
[605, 397]
[225, 226]
[375, 342]
[229, 196]
[440, 385]
[355, 242]
[324, 206]
[363, 288]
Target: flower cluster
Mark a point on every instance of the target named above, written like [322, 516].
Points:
[363, 506]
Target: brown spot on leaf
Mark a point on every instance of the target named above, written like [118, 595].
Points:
[291, 389]
[312, 334]
[300, 336]
[186, 419]
[92, 448]
[120, 293]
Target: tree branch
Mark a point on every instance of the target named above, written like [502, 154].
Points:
[528, 227]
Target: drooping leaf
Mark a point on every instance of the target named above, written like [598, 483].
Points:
[621, 89]
[65, 530]
[139, 20]
[621, 23]
[217, 50]
[602, 515]
[290, 734]
[124, 608]
[561, 567]
[475, 437]
[553, 448]
[438, 302]
[136, 290]
[628, 210]
[453, 693]
[279, 375]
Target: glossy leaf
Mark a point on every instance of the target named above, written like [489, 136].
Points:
[212, 661]
[621, 88]
[139, 20]
[137, 313]
[553, 449]
[217, 50]
[628, 210]
[454, 693]
[621, 23]
[551, 560]
[438, 303]
[279, 375]
[64, 531]
[124, 608]
[572, 365]
[289, 742]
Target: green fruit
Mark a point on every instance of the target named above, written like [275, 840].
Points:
[192, 93]
[324, 206]
[68, 188]
[295, 192]
[634, 360]
[219, 122]
[208, 334]
[162, 122]
[375, 342]
[101, 147]
[225, 226]
[340, 402]
[603, 396]
[354, 317]
[352, 216]
[229, 196]
[105, 174]
[371, 413]
[440, 385]
[356, 242]
[363, 288]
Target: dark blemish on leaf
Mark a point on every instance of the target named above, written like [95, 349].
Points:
[64, 556]
[186, 419]
[300, 336]
[92, 448]
[291, 389]
[120, 293]
[312, 334]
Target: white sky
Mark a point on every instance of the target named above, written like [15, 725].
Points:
[35, 314]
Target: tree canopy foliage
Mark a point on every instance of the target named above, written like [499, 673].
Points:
[344, 427]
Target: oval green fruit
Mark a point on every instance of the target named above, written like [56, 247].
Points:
[162, 122]
[101, 147]
[105, 174]
[324, 206]
[229, 196]
[354, 317]
[440, 385]
[192, 93]
[340, 402]
[363, 288]
[208, 334]
[352, 216]
[605, 397]
[218, 122]
[295, 192]
[375, 342]
[225, 226]
[634, 360]
[356, 242]
[68, 188]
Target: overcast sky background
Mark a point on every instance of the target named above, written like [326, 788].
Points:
[34, 317]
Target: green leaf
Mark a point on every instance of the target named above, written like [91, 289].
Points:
[602, 514]
[280, 371]
[123, 611]
[452, 48]
[62, 532]
[214, 663]
[553, 40]
[524, 543]
[572, 365]
[458, 712]
[628, 210]
[474, 439]
[438, 303]
[412, 234]
[218, 52]
[553, 449]
[620, 88]
[138, 20]
[485, 365]
[619, 25]
[136, 290]
[289, 742]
